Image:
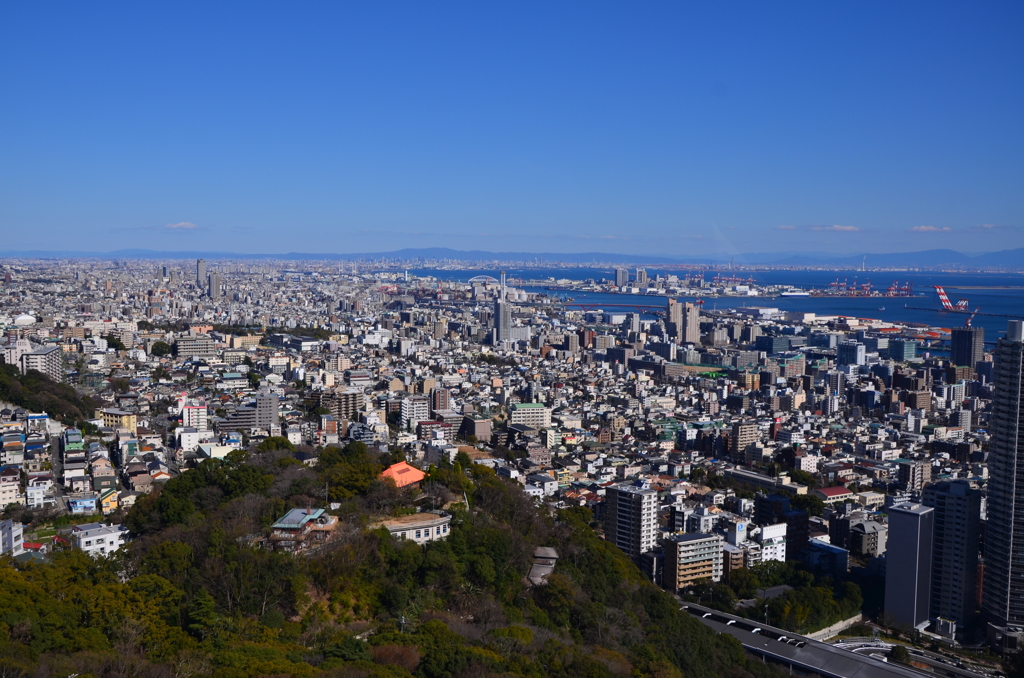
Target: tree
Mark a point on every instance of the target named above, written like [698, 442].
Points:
[275, 443]
[115, 343]
[808, 502]
[899, 653]
[804, 478]
[1013, 664]
[160, 349]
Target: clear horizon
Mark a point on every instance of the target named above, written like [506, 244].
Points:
[663, 128]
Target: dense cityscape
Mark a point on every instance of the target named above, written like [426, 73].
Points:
[511, 340]
[830, 477]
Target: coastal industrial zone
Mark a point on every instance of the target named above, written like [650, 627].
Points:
[835, 493]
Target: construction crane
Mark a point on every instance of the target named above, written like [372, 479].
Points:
[961, 305]
[967, 323]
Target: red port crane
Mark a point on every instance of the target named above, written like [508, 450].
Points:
[967, 323]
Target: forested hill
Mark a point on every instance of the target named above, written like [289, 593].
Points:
[194, 596]
[36, 392]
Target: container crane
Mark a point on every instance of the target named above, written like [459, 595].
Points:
[967, 323]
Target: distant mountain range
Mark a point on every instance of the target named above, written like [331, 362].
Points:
[925, 259]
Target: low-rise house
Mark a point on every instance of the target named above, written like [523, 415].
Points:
[98, 539]
[82, 504]
[302, 528]
[419, 527]
[10, 486]
[403, 474]
[108, 501]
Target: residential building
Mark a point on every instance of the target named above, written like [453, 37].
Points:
[98, 539]
[414, 410]
[114, 418]
[535, 415]
[403, 474]
[868, 538]
[744, 434]
[49, 360]
[419, 527]
[301, 529]
[10, 486]
[913, 475]
[631, 517]
[772, 539]
[502, 320]
[344, 403]
[957, 511]
[11, 538]
[691, 558]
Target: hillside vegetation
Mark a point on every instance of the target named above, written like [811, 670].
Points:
[194, 595]
[36, 392]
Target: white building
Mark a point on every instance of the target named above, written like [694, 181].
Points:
[12, 542]
[194, 416]
[419, 527]
[98, 539]
[547, 484]
[773, 542]
[190, 439]
[414, 410]
[534, 415]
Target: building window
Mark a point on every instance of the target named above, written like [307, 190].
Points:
[417, 534]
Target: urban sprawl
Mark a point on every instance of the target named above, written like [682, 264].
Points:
[704, 442]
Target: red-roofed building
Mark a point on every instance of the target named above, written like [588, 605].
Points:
[403, 474]
[833, 495]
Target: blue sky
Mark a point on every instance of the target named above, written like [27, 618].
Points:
[667, 127]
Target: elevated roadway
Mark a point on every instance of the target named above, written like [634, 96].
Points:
[803, 655]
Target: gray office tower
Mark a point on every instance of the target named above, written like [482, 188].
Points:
[954, 549]
[215, 286]
[201, 271]
[621, 277]
[1002, 599]
[502, 315]
[690, 331]
[967, 347]
[908, 566]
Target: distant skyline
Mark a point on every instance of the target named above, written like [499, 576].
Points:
[666, 128]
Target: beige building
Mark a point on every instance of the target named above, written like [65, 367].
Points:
[113, 418]
[690, 558]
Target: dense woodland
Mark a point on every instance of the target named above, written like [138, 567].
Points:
[195, 595]
[36, 392]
